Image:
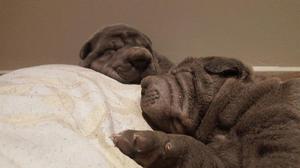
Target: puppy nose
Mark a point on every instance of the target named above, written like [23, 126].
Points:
[140, 62]
[140, 59]
[147, 81]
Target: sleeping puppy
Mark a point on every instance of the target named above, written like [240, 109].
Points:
[123, 53]
[214, 114]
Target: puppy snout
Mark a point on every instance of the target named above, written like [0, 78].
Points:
[147, 81]
[149, 84]
[140, 58]
[155, 96]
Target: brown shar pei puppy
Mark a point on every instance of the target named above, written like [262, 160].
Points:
[216, 116]
[123, 53]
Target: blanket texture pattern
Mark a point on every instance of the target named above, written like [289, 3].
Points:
[56, 116]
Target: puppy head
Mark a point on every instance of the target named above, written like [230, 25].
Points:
[177, 101]
[120, 52]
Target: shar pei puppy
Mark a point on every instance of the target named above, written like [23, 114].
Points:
[123, 53]
[213, 114]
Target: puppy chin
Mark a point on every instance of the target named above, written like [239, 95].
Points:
[154, 107]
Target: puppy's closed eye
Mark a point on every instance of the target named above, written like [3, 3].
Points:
[115, 43]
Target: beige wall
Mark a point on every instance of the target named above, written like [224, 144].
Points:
[260, 32]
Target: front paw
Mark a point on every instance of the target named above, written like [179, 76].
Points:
[152, 149]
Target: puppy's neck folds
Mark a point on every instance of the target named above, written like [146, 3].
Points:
[232, 100]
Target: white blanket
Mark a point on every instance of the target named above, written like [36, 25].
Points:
[58, 116]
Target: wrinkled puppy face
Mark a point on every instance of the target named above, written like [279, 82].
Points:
[120, 52]
[149, 148]
[177, 101]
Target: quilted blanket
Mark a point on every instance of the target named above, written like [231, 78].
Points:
[58, 116]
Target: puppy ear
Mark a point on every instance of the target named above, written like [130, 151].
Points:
[89, 46]
[85, 50]
[148, 40]
[226, 67]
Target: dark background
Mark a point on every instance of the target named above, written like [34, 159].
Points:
[259, 32]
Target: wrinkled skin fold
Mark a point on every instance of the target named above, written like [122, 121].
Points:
[212, 113]
[123, 53]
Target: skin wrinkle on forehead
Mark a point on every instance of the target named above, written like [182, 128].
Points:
[130, 37]
[175, 104]
[125, 46]
[187, 100]
[171, 92]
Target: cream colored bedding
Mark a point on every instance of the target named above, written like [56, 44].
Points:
[59, 116]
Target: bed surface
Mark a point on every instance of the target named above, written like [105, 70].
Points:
[62, 116]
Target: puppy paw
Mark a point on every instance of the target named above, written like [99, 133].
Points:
[151, 148]
[133, 142]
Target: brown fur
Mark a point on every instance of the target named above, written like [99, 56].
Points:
[224, 117]
[123, 53]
